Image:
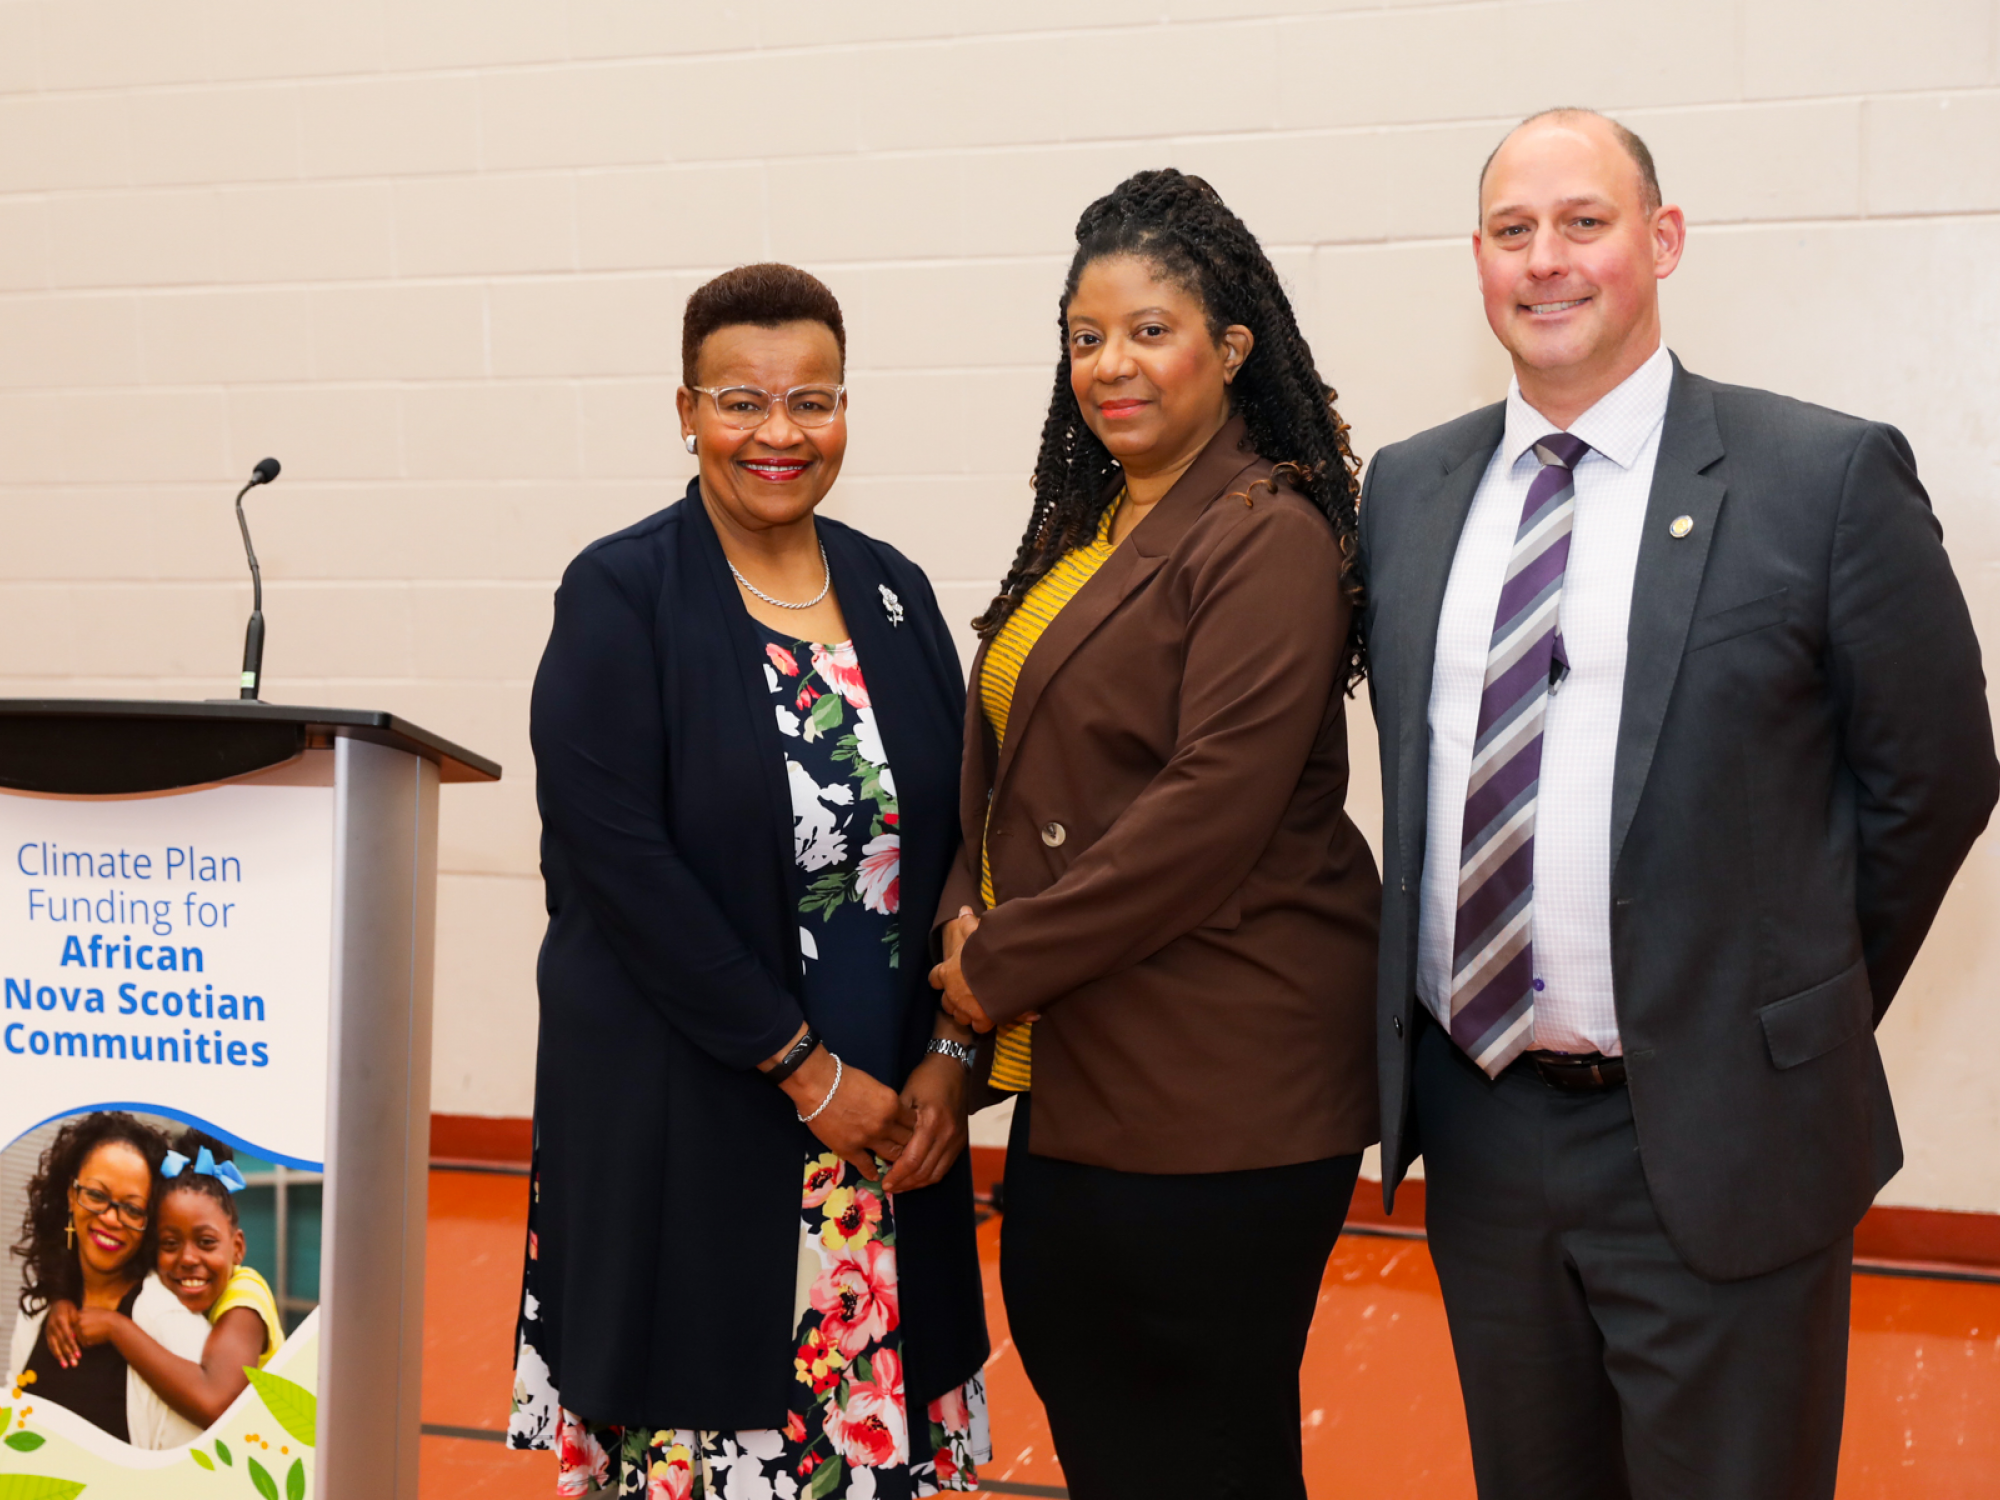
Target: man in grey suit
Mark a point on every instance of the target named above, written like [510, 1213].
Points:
[1684, 736]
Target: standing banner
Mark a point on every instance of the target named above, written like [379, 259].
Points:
[173, 1045]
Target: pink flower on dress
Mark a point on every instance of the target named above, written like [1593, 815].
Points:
[871, 1430]
[822, 1177]
[795, 1426]
[783, 660]
[945, 1465]
[857, 1298]
[879, 880]
[840, 669]
[672, 1477]
[950, 1412]
[579, 1457]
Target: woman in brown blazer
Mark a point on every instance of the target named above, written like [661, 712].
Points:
[1163, 915]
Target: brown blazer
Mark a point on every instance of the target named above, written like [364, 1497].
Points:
[1182, 895]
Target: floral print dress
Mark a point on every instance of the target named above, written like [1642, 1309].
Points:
[846, 842]
[848, 1434]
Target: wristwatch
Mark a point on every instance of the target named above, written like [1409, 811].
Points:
[957, 1051]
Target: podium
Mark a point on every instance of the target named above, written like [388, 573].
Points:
[222, 915]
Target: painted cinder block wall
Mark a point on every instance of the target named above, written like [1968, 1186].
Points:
[432, 254]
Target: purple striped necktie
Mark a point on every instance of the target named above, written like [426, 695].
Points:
[1493, 958]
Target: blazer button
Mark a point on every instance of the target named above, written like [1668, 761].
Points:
[1396, 1024]
[1053, 834]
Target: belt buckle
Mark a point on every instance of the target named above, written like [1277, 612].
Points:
[1579, 1077]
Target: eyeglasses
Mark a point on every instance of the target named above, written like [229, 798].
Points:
[96, 1202]
[747, 408]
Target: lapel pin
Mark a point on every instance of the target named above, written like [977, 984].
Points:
[893, 607]
[1681, 527]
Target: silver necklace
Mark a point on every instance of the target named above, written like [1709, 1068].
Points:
[824, 588]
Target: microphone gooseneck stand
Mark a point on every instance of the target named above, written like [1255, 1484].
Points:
[253, 637]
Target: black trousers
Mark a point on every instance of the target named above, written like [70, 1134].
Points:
[1162, 1318]
[1595, 1364]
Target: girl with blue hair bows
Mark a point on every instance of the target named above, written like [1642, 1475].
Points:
[200, 1260]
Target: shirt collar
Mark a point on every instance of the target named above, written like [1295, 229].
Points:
[1617, 426]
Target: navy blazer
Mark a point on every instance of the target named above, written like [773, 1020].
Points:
[669, 1170]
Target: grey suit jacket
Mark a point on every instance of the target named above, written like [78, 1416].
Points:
[1804, 758]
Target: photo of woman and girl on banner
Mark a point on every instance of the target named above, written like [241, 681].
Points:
[135, 1308]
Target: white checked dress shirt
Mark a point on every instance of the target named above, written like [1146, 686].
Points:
[1572, 898]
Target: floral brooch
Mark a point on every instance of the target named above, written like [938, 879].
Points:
[891, 605]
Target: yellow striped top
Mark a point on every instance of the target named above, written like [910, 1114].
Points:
[1012, 1052]
[246, 1288]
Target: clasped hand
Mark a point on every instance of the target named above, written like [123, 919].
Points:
[948, 977]
[70, 1330]
[916, 1134]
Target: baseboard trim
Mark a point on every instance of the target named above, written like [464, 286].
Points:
[989, 1163]
[1916, 1238]
[1928, 1237]
[486, 1141]
[1919, 1239]
[1365, 1212]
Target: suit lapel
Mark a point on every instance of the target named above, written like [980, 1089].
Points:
[1435, 524]
[1121, 574]
[1136, 560]
[1665, 584]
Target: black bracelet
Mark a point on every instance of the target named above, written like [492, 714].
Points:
[795, 1057]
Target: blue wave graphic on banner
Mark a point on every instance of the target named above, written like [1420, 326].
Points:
[297, 1163]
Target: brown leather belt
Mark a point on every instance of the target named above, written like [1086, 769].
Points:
[1576, 1073]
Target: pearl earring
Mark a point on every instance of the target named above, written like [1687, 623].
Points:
[690, 442]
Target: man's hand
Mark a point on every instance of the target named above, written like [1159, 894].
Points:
[935, 1093]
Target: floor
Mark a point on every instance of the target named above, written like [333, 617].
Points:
[1382, 1414]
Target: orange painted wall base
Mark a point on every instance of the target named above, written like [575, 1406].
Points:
[1886, 1234]
[1897, 1236]
[481, 1141]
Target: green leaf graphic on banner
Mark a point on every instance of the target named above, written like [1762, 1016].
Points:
[222, 1452]
[26, 1442]
[295, 1407]
[295, 1482]
[202, 1458]
[266, 1485]
[37, 1487]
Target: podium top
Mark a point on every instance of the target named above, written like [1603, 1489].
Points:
[102, 747]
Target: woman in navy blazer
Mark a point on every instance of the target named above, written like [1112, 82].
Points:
[746, 736]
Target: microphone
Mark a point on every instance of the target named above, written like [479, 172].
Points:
[253, 638]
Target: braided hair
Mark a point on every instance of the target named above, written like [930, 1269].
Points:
[1180, 225]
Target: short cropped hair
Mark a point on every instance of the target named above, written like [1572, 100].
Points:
[1642, 157]
[764, 295]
